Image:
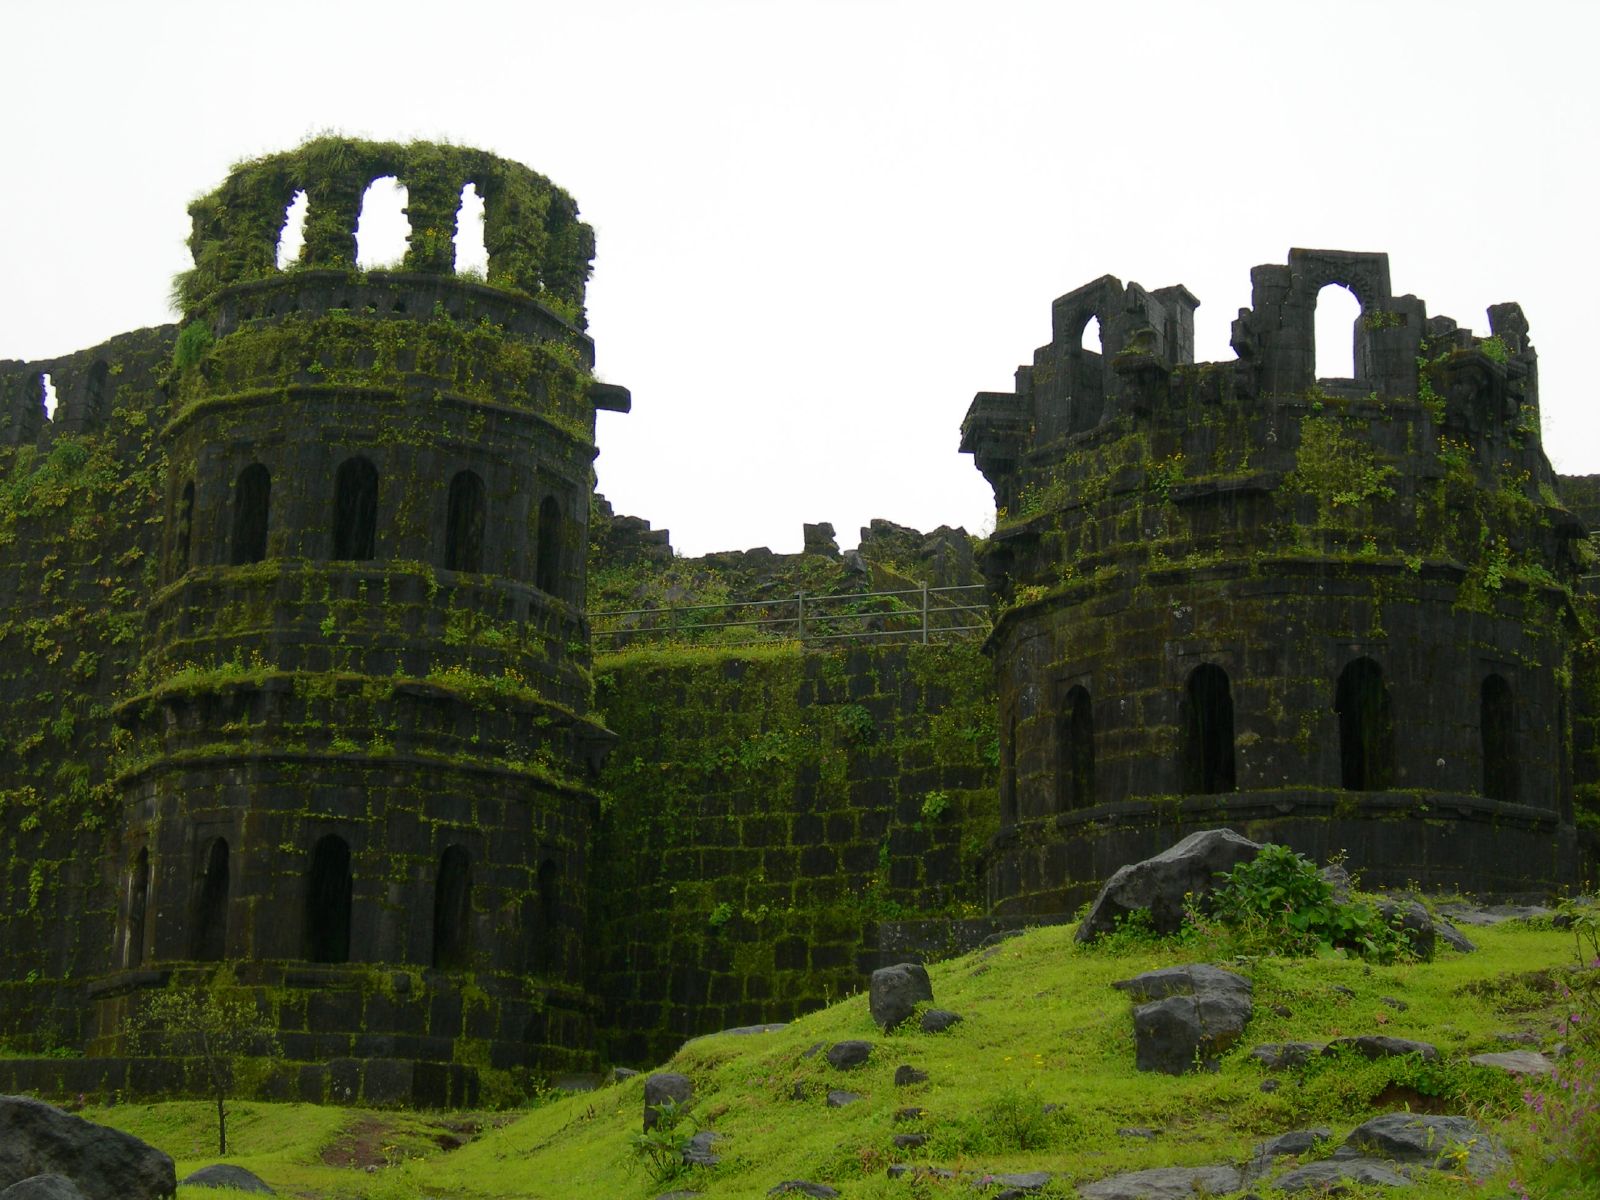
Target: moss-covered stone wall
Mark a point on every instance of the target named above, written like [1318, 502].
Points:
[767, 808]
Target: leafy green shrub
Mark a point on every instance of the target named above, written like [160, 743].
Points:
[660, 1149]
[1015, 1118]
[1278, 903]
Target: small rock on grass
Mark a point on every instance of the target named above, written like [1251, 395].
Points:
[803, 1187]
[894, 993]
[844, 1056]
[906, 1075]
[226, 1175]
[840, 1099]
[49, 1186]
[1280, 1056]
[908, 1114]
[1376, 1046]
[661, 1087]
[909, 1141]
[1327, 1177]
[1515, 1062]
[937, 1020]
[1164, 1183]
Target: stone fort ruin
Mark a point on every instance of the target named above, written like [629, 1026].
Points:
[298, 682]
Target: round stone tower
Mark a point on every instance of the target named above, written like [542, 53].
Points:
[1335, 613]
[358, 762]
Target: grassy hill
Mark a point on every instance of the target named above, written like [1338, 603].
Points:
[1042, 1028]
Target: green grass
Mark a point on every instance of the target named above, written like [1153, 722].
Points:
[1042, 1026]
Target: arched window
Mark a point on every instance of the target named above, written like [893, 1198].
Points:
[328, 901]
[252, 502]
[1208, 765]
[292, 237]
[209, 932]
[463, 536]
[383, 228]
[1338, 318]
[1090, 340]
[547, 567]
[472, 256]
[452, 909]
[138, 903]
[355, 511]
[1366, 738]
[1497, 724]
[1075, 751]
[185, 526]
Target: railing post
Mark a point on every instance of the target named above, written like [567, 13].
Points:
[924, 612]
[800, 615]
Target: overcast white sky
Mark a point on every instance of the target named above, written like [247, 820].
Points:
[823, 226]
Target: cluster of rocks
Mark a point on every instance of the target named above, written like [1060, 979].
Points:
[48, 1154]
[896, 995]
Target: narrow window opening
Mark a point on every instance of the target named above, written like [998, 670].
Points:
[252, 499]
[463, 544]
[94, 390]
[1497, 722]
[472, 255]
[1338, 320]
[383, 229]
[1075, 751]
[547, 568]
[1090, 340]
[1008, 779]
[185, 526]
[452, 909]
[1366, 741]
[355, 510]
[328, 901]
[547, 945]
[210, 929]
[138, 903]
[47, 387]
[1208, 760]
[292, 236]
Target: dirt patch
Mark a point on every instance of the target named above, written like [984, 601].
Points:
[1397, 1096]
[362, 1143]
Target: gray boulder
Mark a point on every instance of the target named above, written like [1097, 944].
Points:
[1281, 1056]
[1165, 1183]
[699, 1152]
[1160, 884]
[803, 1187]
[43, 1187]
[840, 1099]
[845, 1056]
[1414, 923]
[1377, 1046]
[662, 1087]
[1327, 1176]
[937, 1020]
[1519, 1063]
[1453, 937]
[1194, 1015]
[1295, 1142]
[1431, 1141]
[225, 1175]
[104, 1164]
[894, 993]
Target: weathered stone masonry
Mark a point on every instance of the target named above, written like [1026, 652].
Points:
[1341, 613]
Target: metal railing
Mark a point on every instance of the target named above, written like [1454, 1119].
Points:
[920, 614]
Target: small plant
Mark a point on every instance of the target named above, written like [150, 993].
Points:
[1279, 903]
[219, 1027]
[660, 1149]
[1016, 1119]
[935, 805]
[720, 915]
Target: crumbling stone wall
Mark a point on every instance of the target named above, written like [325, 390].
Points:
[1340, 611]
